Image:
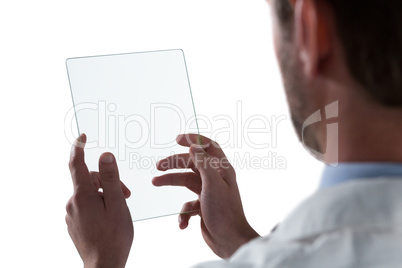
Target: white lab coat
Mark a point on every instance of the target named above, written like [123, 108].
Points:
[353, 224]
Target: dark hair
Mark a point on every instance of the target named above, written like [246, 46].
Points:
[371, 35]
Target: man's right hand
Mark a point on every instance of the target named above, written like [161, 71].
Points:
[223, 223]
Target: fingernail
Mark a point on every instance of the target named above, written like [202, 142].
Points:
[107, 158]
[80, 141]
[82, 138]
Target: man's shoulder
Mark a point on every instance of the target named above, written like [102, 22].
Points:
[355, 224]
[356, 204]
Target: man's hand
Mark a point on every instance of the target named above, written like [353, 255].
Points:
[223, 223]
[99, 223]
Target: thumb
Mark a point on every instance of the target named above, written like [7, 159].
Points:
[206, 165]
[109, 177]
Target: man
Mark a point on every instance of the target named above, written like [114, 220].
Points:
[342, 54]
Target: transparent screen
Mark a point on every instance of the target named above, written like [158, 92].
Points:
[134, 105]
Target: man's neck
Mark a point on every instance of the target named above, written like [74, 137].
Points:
[366, 133]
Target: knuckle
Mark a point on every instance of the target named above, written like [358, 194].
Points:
[215, 144]
[225, 163]
[69, 206]
[78, 198]
[108, 174]
[108, 177]
[214, 162]
[67, 219]
[232, 170]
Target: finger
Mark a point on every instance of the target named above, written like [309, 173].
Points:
[187, 179]
[212, 148]
[94, 177]
[78, 168]
[110, 181]
[126, 191]
[207, 166]
[177, 161]
[189, 209]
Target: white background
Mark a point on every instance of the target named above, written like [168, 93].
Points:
[230, 58]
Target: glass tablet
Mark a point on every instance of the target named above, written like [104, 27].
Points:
[134, 105]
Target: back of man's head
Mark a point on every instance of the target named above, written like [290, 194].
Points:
[370, 32]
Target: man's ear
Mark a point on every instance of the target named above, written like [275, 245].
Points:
[312, 34]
